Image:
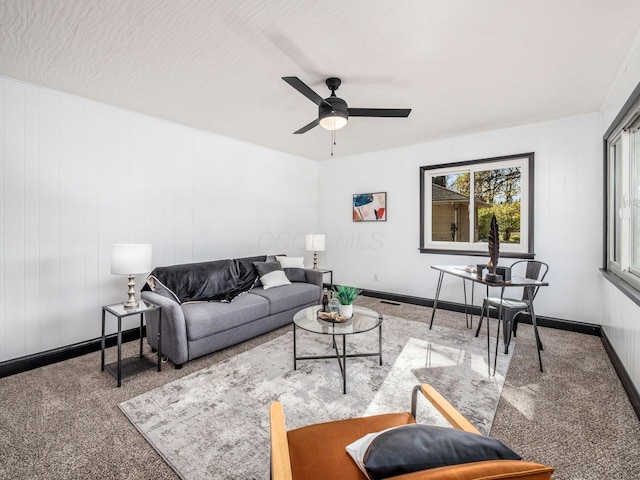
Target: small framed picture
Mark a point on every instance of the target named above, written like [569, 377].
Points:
[370, 207]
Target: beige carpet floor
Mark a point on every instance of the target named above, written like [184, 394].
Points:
[62, 421]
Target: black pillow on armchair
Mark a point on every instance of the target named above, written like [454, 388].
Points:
[416, 447]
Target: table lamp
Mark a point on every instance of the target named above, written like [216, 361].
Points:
[315, 244]
[130, 259]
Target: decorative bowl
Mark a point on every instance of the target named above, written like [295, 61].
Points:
[332, 317]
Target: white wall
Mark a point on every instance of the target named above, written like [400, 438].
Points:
[619, 315]
[568, 219]
[78, 176]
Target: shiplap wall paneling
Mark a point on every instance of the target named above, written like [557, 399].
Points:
[116, 208]
[619, 314]
[14, 220]
[554, 209]
[620, 324]
[178, 207]
[165, 189]
[159, 210]
[152, 208]
[72, 220]
[137, 180]
[221, 195]
[111, 192]
[568, 175]
[3, 180]
[78, 176]
[51, 335]
[91, 292]
[32, 220]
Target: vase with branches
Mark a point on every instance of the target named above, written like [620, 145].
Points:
[494, 251]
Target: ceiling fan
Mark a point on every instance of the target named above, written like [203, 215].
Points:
[333, 112]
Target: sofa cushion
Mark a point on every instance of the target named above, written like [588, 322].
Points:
[289, 296]
[207, 318]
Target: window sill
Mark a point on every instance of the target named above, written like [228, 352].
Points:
[477, 253]
[621, 285]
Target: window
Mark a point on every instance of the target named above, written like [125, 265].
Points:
[622, 160]
[459, 199]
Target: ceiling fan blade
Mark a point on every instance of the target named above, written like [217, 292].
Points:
[308, 127]
[379, 112]
[302, 87]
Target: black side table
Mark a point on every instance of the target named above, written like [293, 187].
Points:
[132, 365]
[330, 272]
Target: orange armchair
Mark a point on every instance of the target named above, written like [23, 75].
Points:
[317, 452]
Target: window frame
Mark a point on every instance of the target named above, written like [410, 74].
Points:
[614, 167]
[524, 250]
[634, 193]
[620, 178]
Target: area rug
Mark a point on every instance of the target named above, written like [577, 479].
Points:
[214, 423]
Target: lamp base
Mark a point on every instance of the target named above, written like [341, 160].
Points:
[131, 302]
[315, 260]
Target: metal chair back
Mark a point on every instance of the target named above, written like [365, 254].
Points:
[535, 270]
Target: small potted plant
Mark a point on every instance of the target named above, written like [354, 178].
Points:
[346, 296]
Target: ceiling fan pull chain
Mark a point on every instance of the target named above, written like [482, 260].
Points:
[333, 140]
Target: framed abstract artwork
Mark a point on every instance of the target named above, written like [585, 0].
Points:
[370, 207]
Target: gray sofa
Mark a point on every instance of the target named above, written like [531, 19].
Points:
[212, 305]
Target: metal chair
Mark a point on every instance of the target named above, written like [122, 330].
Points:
[509, 308]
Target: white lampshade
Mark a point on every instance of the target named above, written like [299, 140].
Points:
[316, 242]
[128, 259]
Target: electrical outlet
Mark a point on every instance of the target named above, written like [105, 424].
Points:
[375, 277]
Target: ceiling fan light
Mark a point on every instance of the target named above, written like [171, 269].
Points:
[333, 120]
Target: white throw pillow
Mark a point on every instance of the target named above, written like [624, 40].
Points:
[276, 278]
[271, 274]
[291, 262]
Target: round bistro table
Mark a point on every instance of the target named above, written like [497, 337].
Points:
[363, 320]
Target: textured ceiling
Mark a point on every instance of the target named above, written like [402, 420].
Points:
[461, 65]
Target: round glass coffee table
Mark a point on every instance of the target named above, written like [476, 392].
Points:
[363, 320]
